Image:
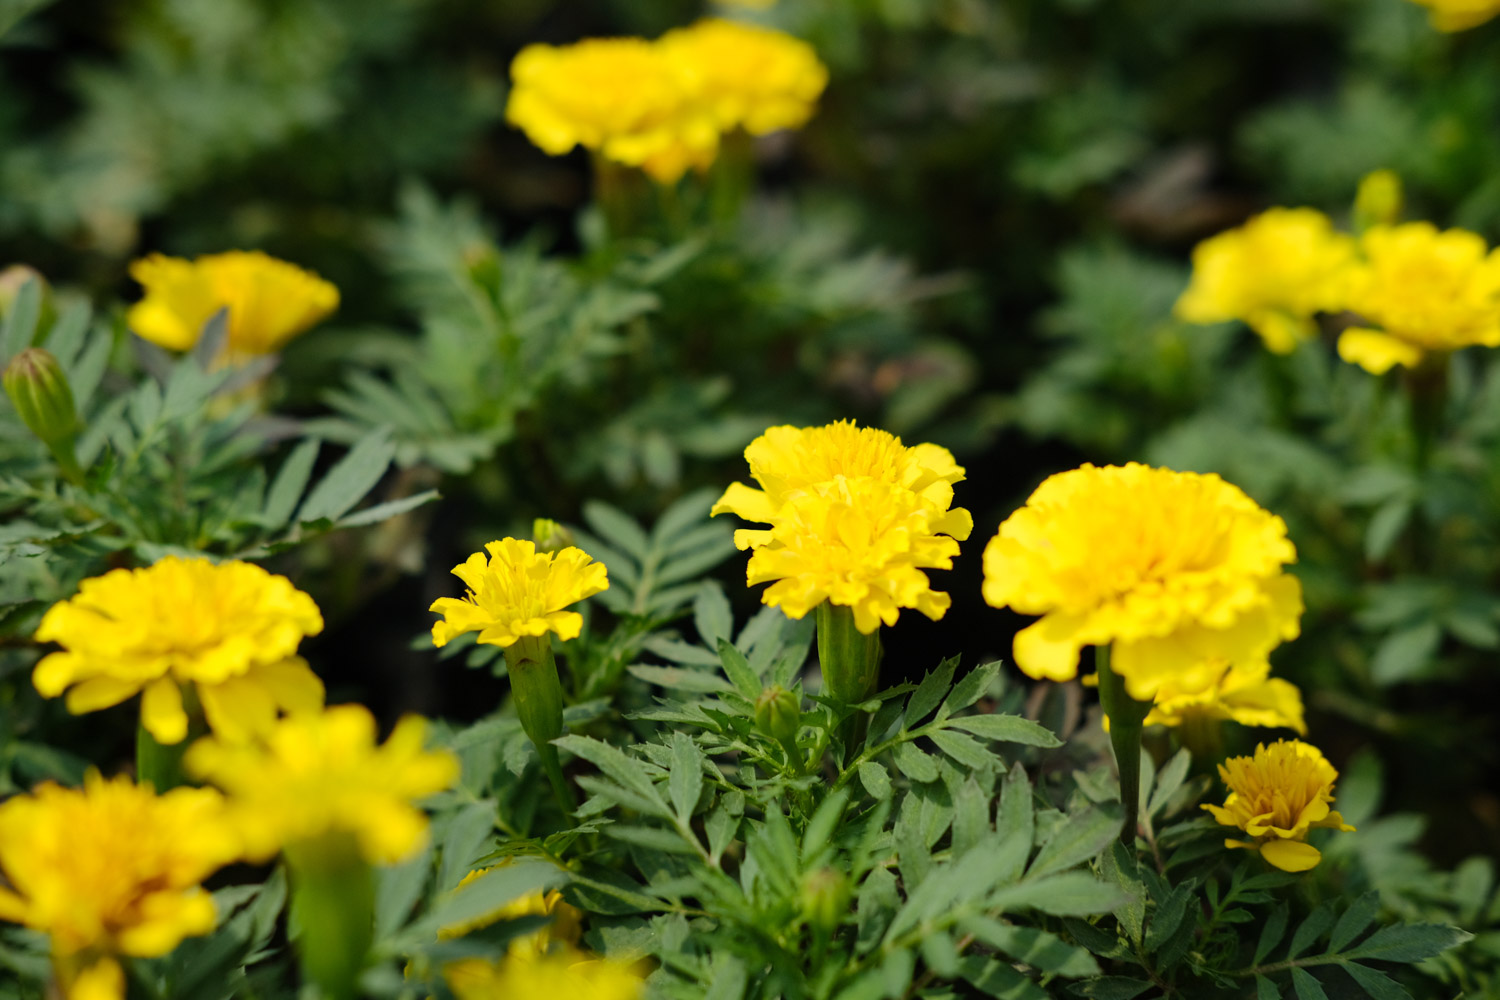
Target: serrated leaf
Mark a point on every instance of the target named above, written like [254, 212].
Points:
[1377, 984]
[929, 692]
[20, 320]
[915, 764]
[1067, 894]
[397, 889]
[1038, 948]
[997, 979]
[739, 671]
[350, 479]
[291, 479]
[1265, 989]
[618, 529]
[1168, 780]
[875, 778]
[1015, 822]
[820, 828]
[1306, 986]
[628, 771]
[1272, 933]
[1076, 839]
[682, 680]
[963, 749]
[486, 895]
[685, 779]
[385, 511]
[1405, 654]
[1009, 728]
[1409, 942]
[971, 687]
[463, 839]
[1314, 927]
[1110, 988]
[712, 616]
[1353, 921]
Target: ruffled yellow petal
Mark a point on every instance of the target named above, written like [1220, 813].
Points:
[161, 711]
[1376, 352]
[103, 980]
[1291, 855]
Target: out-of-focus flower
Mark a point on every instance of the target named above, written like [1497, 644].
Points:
[1273, 273]
[1276, 797]
[269, 300]
[1421, 291]
[1244, 692]
[518, 591]
[553, 976]
[858, 543]
[564, 929]
[791, 462]
[111, 869]
[230, 629]
[750, 77]
[1457, 15]
[1378, 200]
[1178, 572]
[620, 97]
[321, 778]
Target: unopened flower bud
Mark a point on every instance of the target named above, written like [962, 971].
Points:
[550, 536]
[825, 898]
[39, 390]
[777, 714]
[1378, 201]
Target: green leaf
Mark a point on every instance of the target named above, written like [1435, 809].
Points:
[1038, 948]
[1016, 821]
[617, 528]
[1314, 927]
[1405, 654]
[397, 889]
[1265, 989]
[878, 900]
[939, 954]
[685, 779]
[350, 479]
[997, 979]
[1009, 728]
[711, 613]
[1169, 780]
[915, 764]
[385, 511]
[652, 837]
[971, 688]
[929, 693]
[739, 671]
[1353, 921]
[21, 318]
[966, 751]
[1076, 839]
[682, 680]
[820, 828]
[1272, 933]
[1110, 988]
[1385, 528]
[1377, 984]
[463, 842]
[629, 772]
[1409, 942]
[291, 479]
[875, 778]
[1306, 986]
[484, 896]
[1168, 915]
[1069, 894]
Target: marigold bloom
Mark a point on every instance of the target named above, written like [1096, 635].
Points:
[1244, 692]
[1276, 797]
[269, 300]
[519, 591]
[1457, 15]
[111, 869]
[321, 776]
[750, 77]
[859, 543]
[1427, 291]
[568, 973]
[565, 928]
[230, 629]
[619, 97]
[1177, 571]
[790, 462]
[1273, 273]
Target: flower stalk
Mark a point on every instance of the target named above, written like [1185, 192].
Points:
[539, 702]
[1126, 718]
[333, 906]
[850, 659]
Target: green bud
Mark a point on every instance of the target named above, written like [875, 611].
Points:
[778, 714]
[825, 899]
[1378, 201]
[39, 390]
[550, 536]
[537, 692]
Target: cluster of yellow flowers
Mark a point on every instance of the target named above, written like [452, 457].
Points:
[663, 106]
[1414, 292]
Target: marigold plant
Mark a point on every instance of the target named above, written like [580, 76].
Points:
[749, 77]
[1276, 797]
[230, 630]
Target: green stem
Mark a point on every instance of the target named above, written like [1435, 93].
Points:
[161, 763]
[333, 906]
[1126, 716]
[539, 702]
[850, 661]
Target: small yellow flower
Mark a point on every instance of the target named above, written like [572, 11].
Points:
[859, 543]
[230, 629]
[619, 97]
[790, 462]
[269, 300]
[1276, 797]
[1273, 273]
[1178, 572]
[563, 974]
[111, 869]
[1244, 692]
[1426, 291]
[1457, 15]
[750, 77]
[321, 777]
[565, 928]
[519, 591]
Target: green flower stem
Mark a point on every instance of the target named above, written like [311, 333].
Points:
[1126, 716]
[850, 661]
[333, 910]
[539, 703]
[161, 763]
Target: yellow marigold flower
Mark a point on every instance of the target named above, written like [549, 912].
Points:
[322, 776]
[269, 300]
[1177, 571]
[519, 591]
[1426, 291]
[859, 543]
[230, 629]
[1244, 692]
[619, 97]
[791, 462]
[1276, 797]
[1272, 273]
[1457, 15]
[568, 973]
[565, 928]
[750, 77]
[111, 869]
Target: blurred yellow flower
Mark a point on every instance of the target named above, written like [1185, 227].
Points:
[1273, 273]
[791, 462]
[319, 778]
[1425, 291]
[1177, 571]
[563, 974]
[1456, 15]
[1276, 797]
[230, 629]
[564, 929]
[269, 300]
[111, 869]
[859, 543]
[750, 77]
[619, 97]
[517, 592]
[1244, 692]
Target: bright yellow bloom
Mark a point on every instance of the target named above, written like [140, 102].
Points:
[230, 629]
[565, 928]
[111, 869]
[1276, 797]
[519, 591]
[859, 543]
[1244, 692]
[1177, 571]
[318, 777]
[750, 77]
[1273, 273]
[1456, 15]
[269, 300]
[1426, 291]
[619, 97]
[791, 462]
[565, 974]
